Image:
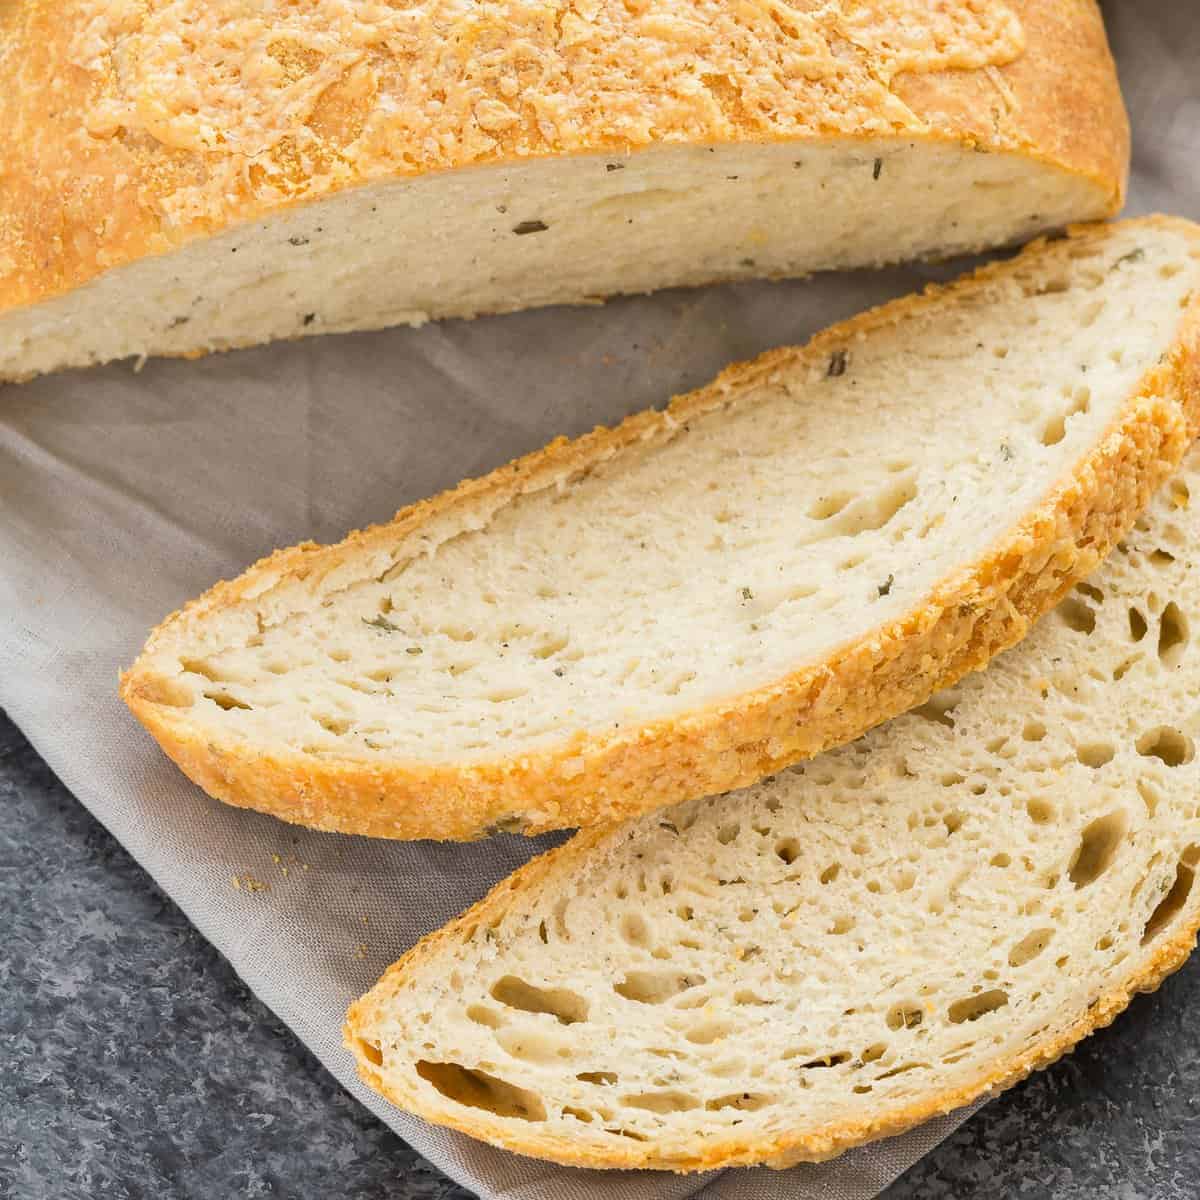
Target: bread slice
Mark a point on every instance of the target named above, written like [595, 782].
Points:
[214, 174]
[864, 941]
[686, 603]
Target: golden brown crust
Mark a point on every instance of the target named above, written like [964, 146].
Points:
[794, 1146]
[131, 128]
[599, 778]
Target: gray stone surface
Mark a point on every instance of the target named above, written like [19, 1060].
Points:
[134, 1063]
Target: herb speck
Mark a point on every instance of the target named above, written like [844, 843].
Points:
[746, 593]
[381, 623]
[877, 168]
[524, 227]
[886, 586]
[837, 364]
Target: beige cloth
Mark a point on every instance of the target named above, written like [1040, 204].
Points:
[123, 494]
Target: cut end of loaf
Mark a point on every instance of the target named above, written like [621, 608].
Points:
[743, 581]
[199, 184]
[550, 232]
[879, 936]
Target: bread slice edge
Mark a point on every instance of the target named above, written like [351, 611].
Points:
[599, 778]
[816, 1145]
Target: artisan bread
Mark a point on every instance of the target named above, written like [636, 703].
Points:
[866, 940]
[182, 176]
[808, 546]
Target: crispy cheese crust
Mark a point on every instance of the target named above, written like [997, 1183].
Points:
[131, 128]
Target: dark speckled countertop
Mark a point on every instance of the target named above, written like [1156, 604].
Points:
[134, 1063]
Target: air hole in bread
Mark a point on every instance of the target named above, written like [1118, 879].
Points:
[1123, 668]
[371, 1051]
[168, 692]
[938, 707]
[788, 850]
[1179, 493]
[564, 1005]
[825, 1061]
[1091, 591]
[905, 1016]
[747, 997]
[635, 930]
[1137, 625]
[1172, 635]
[1001, 860]
[1095, 754]
[554, 644]
[742, 1101]
[531, 1045]
[478, 1089]
[1150, 796]
[829, 506]
[728, 833]
[482, 1015]
[1098, 846]
[1170, 906]
[1033, 731]
[226, 702]
[1029, 947]
[1040, 810]
[1169, 745]
[205, 669]
[830, 873]
[631, 1134]
[598, 1078]
[661, 1102]
[873, 514]
[1077, 616]
[903, 1068]
[971, 1008]
[708, 1032]
[655, 987]
[579, 1114]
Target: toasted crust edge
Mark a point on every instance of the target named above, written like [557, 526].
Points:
[1058, 103]
[970, 616]
[814, 1145]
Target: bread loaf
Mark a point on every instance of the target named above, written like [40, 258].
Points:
[180, 176]
[684, 604]
[872, 938]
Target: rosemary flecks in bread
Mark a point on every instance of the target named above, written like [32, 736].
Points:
[808, 546]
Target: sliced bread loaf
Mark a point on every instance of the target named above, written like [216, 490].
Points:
[213, 173]
[864, 941]
[808, 546]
